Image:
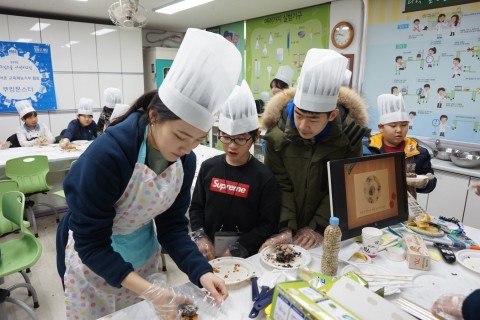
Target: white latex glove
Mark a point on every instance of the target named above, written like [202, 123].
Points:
[307, 238]
[206, 247]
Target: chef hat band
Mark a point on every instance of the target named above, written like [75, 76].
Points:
[239, 114]
[203, 74]
[85, 106]
[320, 80]
[23, 107]
[391, 108]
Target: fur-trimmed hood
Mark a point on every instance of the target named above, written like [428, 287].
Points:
[352, 101]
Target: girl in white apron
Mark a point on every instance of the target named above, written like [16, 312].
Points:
[138, 174]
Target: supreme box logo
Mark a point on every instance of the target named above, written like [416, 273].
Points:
[229, 187]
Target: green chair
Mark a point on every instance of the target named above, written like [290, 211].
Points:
[30, 173]
[17, 254]
[5, 225]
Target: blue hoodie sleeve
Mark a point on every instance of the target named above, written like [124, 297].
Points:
[172, 229]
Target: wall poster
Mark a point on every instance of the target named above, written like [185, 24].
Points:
[431, 57]
[283, 39]
[26, 73]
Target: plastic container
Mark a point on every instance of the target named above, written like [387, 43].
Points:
[331, 247]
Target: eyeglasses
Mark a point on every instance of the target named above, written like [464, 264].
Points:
[238, 141]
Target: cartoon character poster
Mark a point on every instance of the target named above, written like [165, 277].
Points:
[26, 74]
[431, 57]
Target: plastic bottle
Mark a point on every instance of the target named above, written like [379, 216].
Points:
[331, 246]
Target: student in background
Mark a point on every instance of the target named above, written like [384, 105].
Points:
[31, 133]
[130, 190]
[236, 202]
[282, 80]
[306, 128]
[112, 97]
[393, 125]
[82, 128]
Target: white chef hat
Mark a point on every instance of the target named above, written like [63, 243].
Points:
[239, 114]
[23, 107]
[391, 108]
[118, 111]
[203, 74]
[320, 80]
[112, 97]
[285, 74]
[85, 106]
[346, 79]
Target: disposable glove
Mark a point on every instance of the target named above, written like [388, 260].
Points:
[64, 143]
[165, 301]
[449, 306]
[307, 238]
[204, 244]
[282, 238]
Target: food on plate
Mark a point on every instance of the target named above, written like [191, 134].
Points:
[411, 175]
[70, 148]
[283, 253]
[189, 311]
[216, 269]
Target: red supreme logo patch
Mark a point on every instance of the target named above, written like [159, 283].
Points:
[229, 187]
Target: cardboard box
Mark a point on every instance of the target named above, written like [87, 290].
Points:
[345, 299]
[417, 252]
[297, 300]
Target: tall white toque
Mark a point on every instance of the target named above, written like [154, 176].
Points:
[285, 74]
[112, 97]
[320, 80]
[203, 74]
[23, 107]
[391, 108]
[85, 106]
[118, 111]
[239, 114]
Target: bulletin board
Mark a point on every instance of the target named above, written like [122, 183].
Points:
[283, 39]
[234, 32]
[432, 57]
[26, 74]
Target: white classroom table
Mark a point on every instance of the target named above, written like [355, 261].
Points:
[446, 279]
[58, 159]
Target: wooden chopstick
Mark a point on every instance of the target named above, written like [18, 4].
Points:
[415, 309]
[386, 276]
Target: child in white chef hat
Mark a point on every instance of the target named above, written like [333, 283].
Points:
[393, 126]
[31, 132]
[82, 128]
[237, 181]
[306, 129]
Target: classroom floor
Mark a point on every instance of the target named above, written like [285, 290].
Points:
[45, 279]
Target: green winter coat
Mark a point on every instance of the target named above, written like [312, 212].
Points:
[299, 165]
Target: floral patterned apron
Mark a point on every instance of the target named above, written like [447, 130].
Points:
[89, 296]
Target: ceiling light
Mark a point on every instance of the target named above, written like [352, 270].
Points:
[71, 43]
[180, 6]
[81, 0]
[39, 26]
[24, 40]
[101, 32]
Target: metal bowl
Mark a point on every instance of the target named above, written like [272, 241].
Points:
[466, 159]
[444, 153]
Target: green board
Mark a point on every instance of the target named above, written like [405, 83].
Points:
[418, 5]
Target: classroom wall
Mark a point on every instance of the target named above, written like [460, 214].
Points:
[84, 64]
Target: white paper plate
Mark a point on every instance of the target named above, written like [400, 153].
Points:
[80, 142]
[232, 270]
[374, 270]
[470, 259]
[426, 288]
[268, 257]
[418, 178]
